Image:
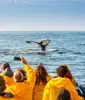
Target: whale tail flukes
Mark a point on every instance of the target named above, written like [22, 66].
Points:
[42, 44]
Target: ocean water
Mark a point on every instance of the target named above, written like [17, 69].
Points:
[64, 48]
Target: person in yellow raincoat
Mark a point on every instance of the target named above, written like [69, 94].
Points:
[22, 89]
[62, 81]
[42, 78]
[7, 74]
[68, 74]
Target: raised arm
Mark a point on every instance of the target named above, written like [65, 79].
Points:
[31, 77]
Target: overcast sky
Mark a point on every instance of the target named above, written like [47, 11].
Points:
[42, 15]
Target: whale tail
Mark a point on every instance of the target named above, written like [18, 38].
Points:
[42, 44]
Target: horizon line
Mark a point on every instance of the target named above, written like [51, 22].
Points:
[37, 30]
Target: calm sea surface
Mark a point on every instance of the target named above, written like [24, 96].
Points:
[64, 48]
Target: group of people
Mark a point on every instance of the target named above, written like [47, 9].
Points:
[36, 84]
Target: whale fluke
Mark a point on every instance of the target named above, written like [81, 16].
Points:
[42, 43]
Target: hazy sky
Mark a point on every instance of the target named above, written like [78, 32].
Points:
[34, 15]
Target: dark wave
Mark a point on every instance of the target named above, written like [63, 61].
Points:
[78, 53]
[82, 44]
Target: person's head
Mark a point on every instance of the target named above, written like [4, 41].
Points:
[23, 72]
[63, 95]
[4, 66]
[63, 71]
[18, 76]
[41, 74]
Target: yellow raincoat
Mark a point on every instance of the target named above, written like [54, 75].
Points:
[8, 80]
[38, 90]
[53, 87]
[73, 80]
[23, 90]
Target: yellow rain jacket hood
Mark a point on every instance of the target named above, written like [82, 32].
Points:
[8, 80]
[53, 87]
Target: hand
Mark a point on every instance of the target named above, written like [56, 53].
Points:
[23, 60]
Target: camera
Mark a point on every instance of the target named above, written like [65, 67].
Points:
[17, 58]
